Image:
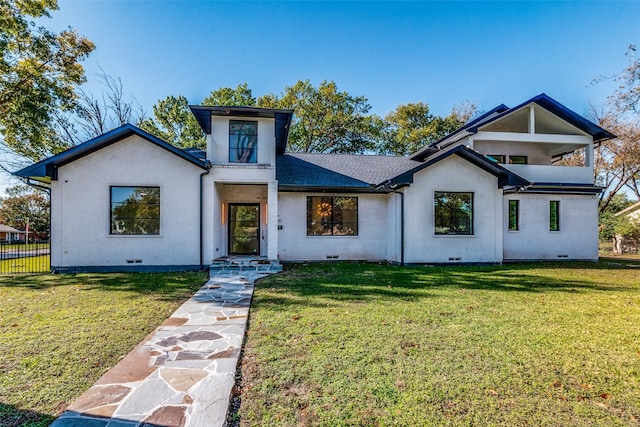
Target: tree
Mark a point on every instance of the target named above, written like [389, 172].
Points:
[228, 97]
[24, 205]
[607, 219]
[618, 160]
[326, 120]
[173, 122]
[412, 126]
[39, 73]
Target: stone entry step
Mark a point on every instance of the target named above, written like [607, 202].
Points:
[244, 263]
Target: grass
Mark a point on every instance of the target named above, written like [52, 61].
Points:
[33, 264]
[545, 344]
[60, 333]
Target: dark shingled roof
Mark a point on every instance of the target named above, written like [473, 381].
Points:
[346, 171]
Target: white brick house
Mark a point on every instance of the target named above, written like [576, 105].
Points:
[492, 191]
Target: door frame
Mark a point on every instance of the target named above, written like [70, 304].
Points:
[229, 233]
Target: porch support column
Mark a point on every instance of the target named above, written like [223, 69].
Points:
[272, 215]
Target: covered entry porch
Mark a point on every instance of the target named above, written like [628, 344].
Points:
[244, 220]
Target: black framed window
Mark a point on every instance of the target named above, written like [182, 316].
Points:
[518, 160]
[332, 216]
[554, 215]
[243, 141]
[498, 158]
[453, 213]
[514, 215]
[135, 210]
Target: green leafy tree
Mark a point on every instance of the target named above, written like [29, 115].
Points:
[39, 74]
[326, 120]
[241, 96]
[607, 219]
[173, 122]
[25, 204]
[412, 126]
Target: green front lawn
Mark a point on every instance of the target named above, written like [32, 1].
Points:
[60, 333]
[548, 344]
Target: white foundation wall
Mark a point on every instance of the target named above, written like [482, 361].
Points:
[453, 174]
[577, 238]
[80, 210]
[294, 245]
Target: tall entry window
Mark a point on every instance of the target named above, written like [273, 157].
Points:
[332, 216]
[453, 213]
[135, 210]
[243, 141]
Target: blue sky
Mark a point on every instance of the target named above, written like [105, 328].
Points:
[442, 53]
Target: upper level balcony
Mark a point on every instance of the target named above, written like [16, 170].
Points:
[552, 173]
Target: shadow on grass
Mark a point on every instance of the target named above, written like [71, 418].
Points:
[361, 281]
[11, 416]
[167, 286]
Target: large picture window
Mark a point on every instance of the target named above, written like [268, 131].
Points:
[332, 216]
[243, 141]
[135, 210]
[554, 215]
[453, 213]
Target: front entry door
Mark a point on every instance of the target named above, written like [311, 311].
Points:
[244, 229]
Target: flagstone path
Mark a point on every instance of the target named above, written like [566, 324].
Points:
[182, 373]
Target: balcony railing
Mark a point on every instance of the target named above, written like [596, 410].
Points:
[548, 173]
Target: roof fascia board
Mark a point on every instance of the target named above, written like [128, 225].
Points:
[48, 167]
[290, 188]
[504, 176]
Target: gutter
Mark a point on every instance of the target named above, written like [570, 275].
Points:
[208, 166]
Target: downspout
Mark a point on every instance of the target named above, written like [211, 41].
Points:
[208, 166]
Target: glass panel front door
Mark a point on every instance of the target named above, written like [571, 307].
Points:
[244, 229]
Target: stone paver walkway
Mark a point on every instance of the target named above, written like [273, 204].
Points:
[183, 372]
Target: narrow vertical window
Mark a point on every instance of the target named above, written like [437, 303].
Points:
[514, 214]
[243, 141]
[554, 215]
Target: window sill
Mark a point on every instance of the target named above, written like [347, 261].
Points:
[332, 236]
[454, 235]
[133, 236]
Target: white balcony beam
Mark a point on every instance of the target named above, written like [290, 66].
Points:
[537, 137]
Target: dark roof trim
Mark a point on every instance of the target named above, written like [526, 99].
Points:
[431, 148]
[556, 188]
[505, 176]
[48, 167]
[545, 101]
[283, 118]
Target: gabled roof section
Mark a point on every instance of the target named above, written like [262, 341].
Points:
[7, 229]
[460, 132]
[505, 176]
[543, 100]
[46, 170]
[309, 171]
[283, 118]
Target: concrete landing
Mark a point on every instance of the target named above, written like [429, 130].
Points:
[181, 375]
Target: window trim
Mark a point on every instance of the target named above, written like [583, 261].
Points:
[333, 224]
[135, 235]
[555, 203]
[255, 122]
[525, 158]
[516, 204]
[471, 232]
